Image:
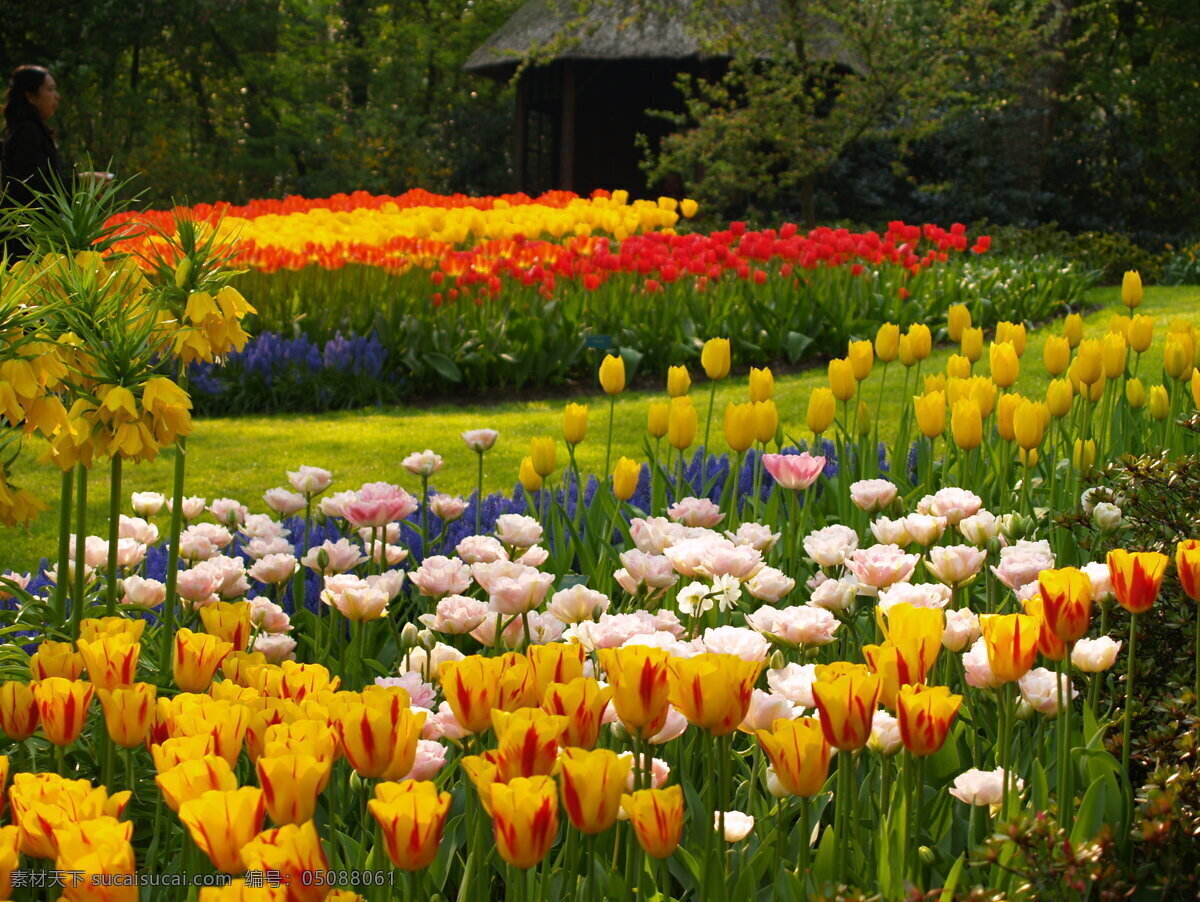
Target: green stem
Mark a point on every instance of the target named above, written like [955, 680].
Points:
[612, 404]
[168, 608]
[64, 548]
[114, 535]
[479, 496]
[77, 600]
[805, 840]
[1129, 673]
[712, 400]
[1067, 800]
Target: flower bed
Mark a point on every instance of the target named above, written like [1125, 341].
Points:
[850, 666]
[481, 293]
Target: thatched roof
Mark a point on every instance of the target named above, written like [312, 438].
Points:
[614, 29]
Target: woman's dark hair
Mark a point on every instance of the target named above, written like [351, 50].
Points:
[25, 80]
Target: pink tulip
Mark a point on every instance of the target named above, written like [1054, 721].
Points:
[872, 495]
[794, 471]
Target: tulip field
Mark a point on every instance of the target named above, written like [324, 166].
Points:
[764, 647]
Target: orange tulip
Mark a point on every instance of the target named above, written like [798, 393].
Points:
[799, 752]
[471, 687]
[592, 786]
[294, 853]
[1187, 565]
[111, 661]
[925, 714]
[1136, 577]
[713, 691]
[176, 750]
[898, 664]
[223, 822]
[62, 708]
[412, 815]
[1049, 645]
[128, 712]
[379, 742]
[229, 622]
[638, 676]
[56, 659]
[524, 819]
[557, 662]
[18, 710]
[582, 702]
[192, 778]
[291, 785]
[846, 697]
[1012, 642]
[196, 658]
[94, 852]
[1066, 602]
[657, 819]
[527, 742]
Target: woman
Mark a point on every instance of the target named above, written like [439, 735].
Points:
[30, 158]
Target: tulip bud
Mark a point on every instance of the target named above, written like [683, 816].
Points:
[921, 339]
[864, 418]
[958, 318]
[1083, 456]
[612, 374]
[575, 423]
[529, 476]
[409, 637]
[682, 423]
[544, 455]
[740, 426]
[426, 639]
[1141, 333]
[1160, 402]
[778, 660]
[657, 418]
[907, 357]
[625, 478]
[1131, 289]
[862, 359]
[766, 417]
[1113, 350]
[678, 381]
[972, 343]
[182, 270]
[1005, 365]
[715, 358]
[821, 409]
[887, 342]
[1107, 517]
[1056, 354]
[927, 855]
[1073, 329]
[1135, 394]
[762, 384]
[841, 379]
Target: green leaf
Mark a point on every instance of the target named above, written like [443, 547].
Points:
[445, 367]
[952, 879]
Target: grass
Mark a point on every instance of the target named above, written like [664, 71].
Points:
[243, 457]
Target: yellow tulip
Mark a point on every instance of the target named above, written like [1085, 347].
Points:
[625, 478]
[907, 356]
[925, 714]
[935, 382]
[931, 413]
[1059, 395]
[741, 426]
[128, 712]
[682, 423]
[958, 318]
[762, 384]
[1073, 329]
[1118, 324]
[766, 420]
[1090, 361]
[1056, 354]
[887, 342]
[1014, 334]
[800, 754]
[921, 339]
[715, 358]
[1083, 455]
[1177, 355]
[821, 410]
[657, 819]
[1141, 333]
[543, 453]
[958, 367]
[713, 691]
[846, 697]
[56, 659]
[1011, 641]
[529, 476]
[972, 343]
[841, 379]
[1028, 424]
[221, 823]
[1113, 350]
[612, 374]
[592, 785]
[524, 819]
[658, 416]
[412, 815]
[966, 424]
[1135, 393]
[638, 676]
[1196, 387]
[688, 207]
[1131, 289]
[196, 658]
[575, 423]
[1160, 402]
[862, 359]
[1005, 363]
[982, 391]
[1006, 411]
[678, 381]
[63, 708]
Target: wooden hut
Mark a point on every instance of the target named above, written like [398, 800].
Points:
[580, 108]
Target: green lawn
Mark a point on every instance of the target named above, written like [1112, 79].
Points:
[242, 457]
